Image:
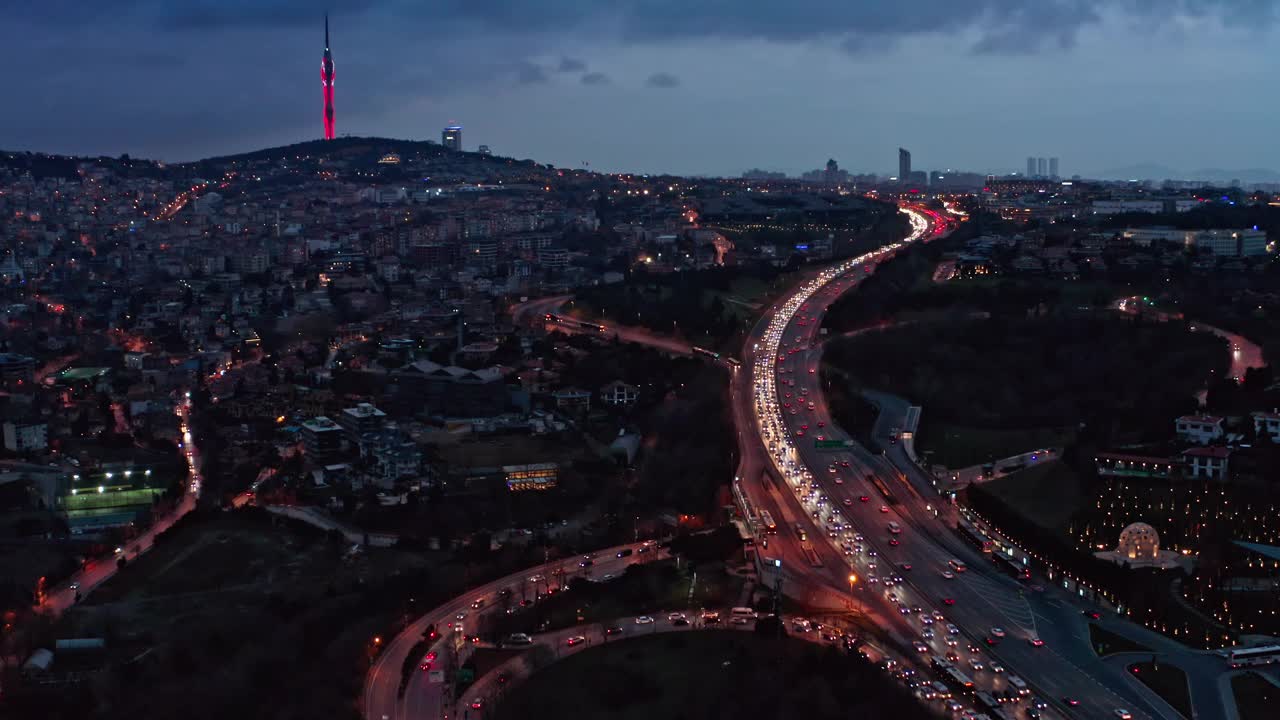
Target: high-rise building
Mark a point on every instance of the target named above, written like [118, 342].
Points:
[326, 82]
[904, 165]
[1031, 167]
[1042, 167]
[451, 137]
[1053, 168]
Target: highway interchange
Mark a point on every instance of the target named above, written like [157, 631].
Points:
[780, 410]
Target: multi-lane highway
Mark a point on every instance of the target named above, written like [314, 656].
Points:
[859, 517]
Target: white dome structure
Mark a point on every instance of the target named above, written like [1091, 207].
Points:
[1139, 543]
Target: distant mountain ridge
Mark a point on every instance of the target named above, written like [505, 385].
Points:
[1154, 171]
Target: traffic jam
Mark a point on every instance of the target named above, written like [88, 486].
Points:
[784, 400]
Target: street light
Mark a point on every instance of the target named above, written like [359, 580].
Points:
[853, 580]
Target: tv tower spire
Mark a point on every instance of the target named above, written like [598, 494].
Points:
[326, 82]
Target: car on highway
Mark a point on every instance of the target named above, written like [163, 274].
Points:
[1035, 641]
[996, 668]
[948, 575]
[948, 601]
[1070, 701]
[1092, 614]
[975, 664]
[848, 502]
[477, 604]
[644, 620]
[863, 498]
[921, 648]
[884, 508]
[477, 703]
[1122, 714]
[613, 630]
[575, 640]
[997, 632]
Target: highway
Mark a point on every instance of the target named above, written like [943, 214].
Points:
[546, 313]
[833, 493]
[490, 686]
[425, 700]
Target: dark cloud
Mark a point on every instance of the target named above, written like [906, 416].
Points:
[595, 78]
[528, 73]
[662, 80]
[572, 65]
[1002, 25]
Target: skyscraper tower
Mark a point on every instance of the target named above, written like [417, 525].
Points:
[1053, 168]
[904, 165]
[326, 82]
[1031, 167]
[451, 137]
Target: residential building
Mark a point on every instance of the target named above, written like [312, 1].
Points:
[322, 440]
[618, 393]
[1222, 243]
[1209, 463]
[537, 476]
[1199, 429]
[1267, 423]
[25, 436]
[361, 420]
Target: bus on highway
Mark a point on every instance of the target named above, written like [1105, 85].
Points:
[986, 701]
[958, 680]
[884, 489]
[973, 536]
[800, 533]
[1241, 657]
[1012, 567]
[770, 526]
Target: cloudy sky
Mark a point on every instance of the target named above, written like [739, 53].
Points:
[686, 86]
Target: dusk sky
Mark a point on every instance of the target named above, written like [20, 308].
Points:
[682, 86]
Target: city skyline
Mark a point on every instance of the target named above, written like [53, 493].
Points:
[626, 72]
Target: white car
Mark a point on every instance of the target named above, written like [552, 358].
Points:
[997, 632]
[644, 620]
[948, 575]
[1123, 714]
[996, 668]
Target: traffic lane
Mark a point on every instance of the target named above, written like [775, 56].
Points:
[594, 635]
[422, 696]
[935, 556]
[382, 684]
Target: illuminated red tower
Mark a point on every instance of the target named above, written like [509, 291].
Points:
[326, 82]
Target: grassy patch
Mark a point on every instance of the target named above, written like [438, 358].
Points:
[223, 553]
[644, 589]
[1047, 495]
[241, 614]
[1167, 681]
[1105, 642]
[1256, 697]
[959, 446]
[708, 674]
